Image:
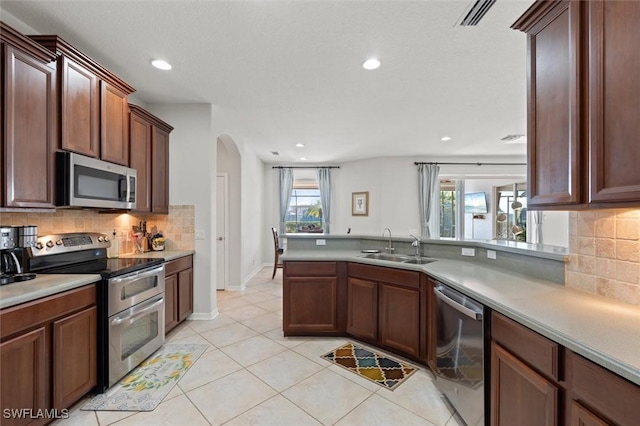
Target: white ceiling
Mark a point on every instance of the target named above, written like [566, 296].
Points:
[290, 71]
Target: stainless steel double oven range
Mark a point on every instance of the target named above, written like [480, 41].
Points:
[130, 323]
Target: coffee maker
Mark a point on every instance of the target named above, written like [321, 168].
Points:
[14, 241]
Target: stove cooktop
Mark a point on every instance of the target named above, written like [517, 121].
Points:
[107, 268]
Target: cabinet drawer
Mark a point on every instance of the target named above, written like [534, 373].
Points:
[401, 277]
[27, 315]
[175, 266]
[610, 395]
[532, 348]
[310, 269]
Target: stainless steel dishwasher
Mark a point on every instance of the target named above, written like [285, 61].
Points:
[459, 353]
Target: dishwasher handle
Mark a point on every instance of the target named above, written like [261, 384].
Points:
[476, 315]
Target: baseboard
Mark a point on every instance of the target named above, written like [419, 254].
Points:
[197, 316]
[236, 287]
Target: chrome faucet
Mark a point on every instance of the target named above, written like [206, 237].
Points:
[416, 244]
[389, 249]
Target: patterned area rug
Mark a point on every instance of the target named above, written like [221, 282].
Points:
[380, 369]
[146, 386]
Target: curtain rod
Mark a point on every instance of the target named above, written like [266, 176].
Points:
[472, 164]
[305, 167]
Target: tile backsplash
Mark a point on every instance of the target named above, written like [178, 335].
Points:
[605, 253]
[178, 227]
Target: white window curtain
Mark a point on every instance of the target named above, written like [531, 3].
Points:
[459, 209]
[536, 237]
[324, 184]
[428, 184]
[286, 186]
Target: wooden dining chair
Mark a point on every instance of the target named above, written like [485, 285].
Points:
[277, 250]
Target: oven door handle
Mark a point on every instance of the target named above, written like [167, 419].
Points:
[138, 275]
[458, 307]
[137, 311]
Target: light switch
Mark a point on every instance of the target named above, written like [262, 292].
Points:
[321, 242]
[200, 234]
[491, 254]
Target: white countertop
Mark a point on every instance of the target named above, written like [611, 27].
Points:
[167, 255]
[43, 285]
[603, 330]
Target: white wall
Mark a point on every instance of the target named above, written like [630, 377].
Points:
[192, 181]
[254, 233]
[555, 228]
[392, 184]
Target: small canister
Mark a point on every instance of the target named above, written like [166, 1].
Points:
[27, 236]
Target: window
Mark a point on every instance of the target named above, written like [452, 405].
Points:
[511, 212]
[448, 205]
[305, 209]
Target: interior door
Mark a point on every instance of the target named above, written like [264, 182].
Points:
[221, 231]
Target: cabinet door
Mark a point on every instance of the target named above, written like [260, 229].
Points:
[362, 308]
[114, 125]
[553, 112]
[25, 381]
[614, 100]
[310, 305]
[399, 318]
[185, 294]
[74, 357]
[519, 395]
[170, 302]
[580, 416]
[29, 133]
[160, 171]
[80, 114]
[140, 159]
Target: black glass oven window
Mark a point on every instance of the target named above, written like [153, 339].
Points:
[138, 334]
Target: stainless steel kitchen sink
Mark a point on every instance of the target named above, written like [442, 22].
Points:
[401, 258]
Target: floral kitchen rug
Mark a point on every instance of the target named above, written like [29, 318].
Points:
[380, 369]
[146, 386]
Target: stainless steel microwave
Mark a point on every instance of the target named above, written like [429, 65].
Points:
[87, 182]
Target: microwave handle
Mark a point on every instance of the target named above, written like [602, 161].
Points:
[123, 182]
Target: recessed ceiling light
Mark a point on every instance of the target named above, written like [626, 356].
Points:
[300, 145]
[161, 65]
[371, 64]
[446, 138]
[303, 158]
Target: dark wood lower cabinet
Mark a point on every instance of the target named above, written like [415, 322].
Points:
[48, 357]
[74, 357]
[519, 395]
[310, 305]
[25, 379]
[581, 416]
[400, 319]
[178, 291]
[362, 309]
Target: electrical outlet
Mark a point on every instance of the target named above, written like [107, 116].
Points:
[321, 242]
[491, 254]
[468, 252]
[200, 235]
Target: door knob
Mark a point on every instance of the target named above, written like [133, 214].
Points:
[219, 238]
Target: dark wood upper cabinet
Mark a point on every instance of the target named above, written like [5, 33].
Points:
[149, 155]
[159, 170]
[28, 122]
[613, 43]
[79, 109]
[93, 101]
[114, 124]
[583, 103]
[553, 115]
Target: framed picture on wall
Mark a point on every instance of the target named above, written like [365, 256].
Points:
[359, 203]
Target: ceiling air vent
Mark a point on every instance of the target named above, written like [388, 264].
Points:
[475, 12]
[275, 153]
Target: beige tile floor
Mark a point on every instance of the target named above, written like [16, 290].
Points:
[252, 375]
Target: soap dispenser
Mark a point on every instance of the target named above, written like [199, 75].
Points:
[115, 246]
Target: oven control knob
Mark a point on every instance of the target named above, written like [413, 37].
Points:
[106, 239]
[39, 245]
[100, 239]
[59, 242]
[49, 244]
